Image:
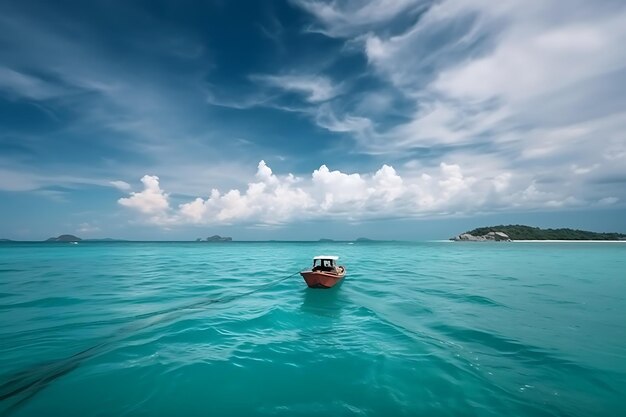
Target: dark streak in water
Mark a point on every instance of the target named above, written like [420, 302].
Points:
[34, 379]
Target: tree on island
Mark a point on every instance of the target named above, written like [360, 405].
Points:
[521, 232]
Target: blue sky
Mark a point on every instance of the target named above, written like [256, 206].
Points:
[303, 119]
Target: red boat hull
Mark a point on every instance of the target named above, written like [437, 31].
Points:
[318, 279]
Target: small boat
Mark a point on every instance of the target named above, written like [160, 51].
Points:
[325, 273]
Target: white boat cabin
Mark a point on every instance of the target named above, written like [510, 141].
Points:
[325, 263]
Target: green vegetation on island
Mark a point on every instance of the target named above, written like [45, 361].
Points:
[521, 232]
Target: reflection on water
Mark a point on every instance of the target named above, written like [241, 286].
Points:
[323, 302]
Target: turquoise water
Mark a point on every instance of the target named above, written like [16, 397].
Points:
[433, 329]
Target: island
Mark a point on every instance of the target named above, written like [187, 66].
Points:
[6, 240]
[64, 238]
[364, 239]
[216, 238]
[507, 233]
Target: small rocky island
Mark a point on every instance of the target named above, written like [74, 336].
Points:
[215, 238]
[489, 236]
[64, 238]
[520, 232]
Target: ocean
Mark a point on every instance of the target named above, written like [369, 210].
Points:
[415, 329]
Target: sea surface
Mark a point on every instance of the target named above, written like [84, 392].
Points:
[415, 329]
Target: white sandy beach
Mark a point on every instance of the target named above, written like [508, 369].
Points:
[535, 241]
[568, 241]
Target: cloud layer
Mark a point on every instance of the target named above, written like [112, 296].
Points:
[474, 72]
[415, 108]
[271, 199]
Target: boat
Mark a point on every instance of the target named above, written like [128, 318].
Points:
[325, 273]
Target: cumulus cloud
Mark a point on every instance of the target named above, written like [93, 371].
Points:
[152, 201]
[271, 199]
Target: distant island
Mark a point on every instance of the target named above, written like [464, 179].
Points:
[71, 238]
[521, 232]
[64, 238]
[364, 239]
[216, 238]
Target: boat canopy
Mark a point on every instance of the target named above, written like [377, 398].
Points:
[331, 257]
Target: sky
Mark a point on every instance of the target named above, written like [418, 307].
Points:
[308, 119]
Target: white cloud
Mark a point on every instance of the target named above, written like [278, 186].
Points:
[121, 185]
[22, 177]
[14, 180]
[388, 184]
[347, 17]
[325, 117]
[539, 60]
[315, 88]
[607, 201]
[271, 199]
[584, 170]
[527, 97]
[27, 86]
[337, 190]
[100, 96]
[152, 201]
[501, 70]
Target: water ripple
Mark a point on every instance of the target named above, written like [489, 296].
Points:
[415, 329]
